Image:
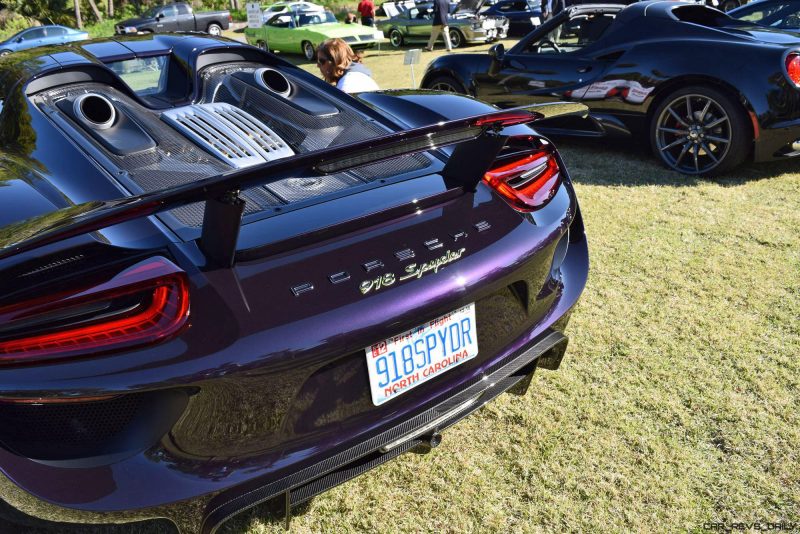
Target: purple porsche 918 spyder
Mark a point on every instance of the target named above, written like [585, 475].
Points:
[223, 282]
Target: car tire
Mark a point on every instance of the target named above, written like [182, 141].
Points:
[262, 45]
[4, 52]
[456, 38]
[699, 130]
[214, 29]
[309, 51]
[396, 38]
[727, 5]
[447, 83]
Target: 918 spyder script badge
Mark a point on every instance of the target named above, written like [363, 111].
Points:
[412, 270]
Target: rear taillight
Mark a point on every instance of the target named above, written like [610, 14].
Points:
[143, 304]
[527, 180]
[793, 68]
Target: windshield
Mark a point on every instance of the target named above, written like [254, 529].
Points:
[151, 13]
[309, 19]
[785, 15]
[10, 39]
[143, 75]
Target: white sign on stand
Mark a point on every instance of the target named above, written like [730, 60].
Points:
[255, 18]
[412, 58]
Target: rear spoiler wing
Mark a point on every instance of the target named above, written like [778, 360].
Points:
[477, 143]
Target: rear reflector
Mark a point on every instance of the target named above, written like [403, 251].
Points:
[143, 304]
[793, 68]
[528, 180]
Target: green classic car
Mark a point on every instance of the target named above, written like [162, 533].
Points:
[302, 31]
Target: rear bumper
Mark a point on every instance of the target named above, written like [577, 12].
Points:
[775, 142]
[416, 431]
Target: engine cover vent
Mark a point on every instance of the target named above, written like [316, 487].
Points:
[227, 132]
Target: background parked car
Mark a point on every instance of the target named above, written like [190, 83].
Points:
[667, 71]
[281, 7]
[522, 15]
[40, 36]
[176, 18]
[782, 14]
[466, 25]
[301, 32]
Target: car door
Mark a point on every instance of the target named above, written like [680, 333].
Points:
[31, 38]
[552, 64]
[55, 35]
[185, 19]
[278, 30]
[167, 19]
[417, 22]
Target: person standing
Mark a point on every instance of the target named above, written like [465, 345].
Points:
[551, 8]
[367, 10]
[441, 9]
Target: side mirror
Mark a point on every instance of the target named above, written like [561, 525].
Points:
[18, 40]
[498, 52]
[159, 16]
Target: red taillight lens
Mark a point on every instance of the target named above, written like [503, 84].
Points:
[527, 181]
[793, 68]
[143, 304]
[509, 118]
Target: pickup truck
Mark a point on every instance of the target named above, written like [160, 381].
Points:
[177, 17]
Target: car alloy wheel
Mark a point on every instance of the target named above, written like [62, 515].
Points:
[699, 131]
[309, 52]
[214, 29]
[396, 38]
[4, 52]
[445, 83]
[456, 39]
[262, 45]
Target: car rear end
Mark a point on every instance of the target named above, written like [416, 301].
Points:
[362, 312]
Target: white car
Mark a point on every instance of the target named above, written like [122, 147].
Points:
[280, 7]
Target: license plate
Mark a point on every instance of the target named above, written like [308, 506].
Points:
[403, 362]
[535, 21]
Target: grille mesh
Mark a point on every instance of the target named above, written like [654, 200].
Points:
[229, 133]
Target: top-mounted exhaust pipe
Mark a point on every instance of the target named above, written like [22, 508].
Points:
[273, 80]
[95, 111]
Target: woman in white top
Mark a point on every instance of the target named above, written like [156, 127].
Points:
[341, 67]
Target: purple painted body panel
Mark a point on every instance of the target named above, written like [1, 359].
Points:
[274, 380]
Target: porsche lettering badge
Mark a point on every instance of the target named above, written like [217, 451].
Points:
[413, 270]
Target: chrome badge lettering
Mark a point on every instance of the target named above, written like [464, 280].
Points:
[416, 271]
[382, 281]
[412, 270]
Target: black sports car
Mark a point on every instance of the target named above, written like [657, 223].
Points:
[780, 14]
[707, 91]
[223, 281]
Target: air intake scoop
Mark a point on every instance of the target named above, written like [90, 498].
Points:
[232, 135]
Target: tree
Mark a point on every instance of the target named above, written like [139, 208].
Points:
[78, 14]
[97, 14]
[42, 10]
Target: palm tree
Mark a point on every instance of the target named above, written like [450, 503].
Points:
[78, 13]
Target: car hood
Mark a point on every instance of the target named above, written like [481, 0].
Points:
[336, 29]
[469, 6]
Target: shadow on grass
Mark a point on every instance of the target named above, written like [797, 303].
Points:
[604, 162]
